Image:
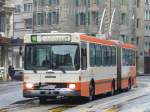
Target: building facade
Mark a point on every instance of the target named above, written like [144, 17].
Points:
[22, 20]
[6, 31]
[85, 16]
[139, 34]
[147, 36]
[22, 17]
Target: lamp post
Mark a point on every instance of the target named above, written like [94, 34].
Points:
[86, 18]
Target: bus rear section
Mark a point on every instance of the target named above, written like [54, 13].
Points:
[52, 69]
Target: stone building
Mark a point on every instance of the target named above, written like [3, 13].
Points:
[85, 16]
[147, 36]
[6, 30]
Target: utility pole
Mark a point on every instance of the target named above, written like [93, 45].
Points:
[110, 10]
[86, 18]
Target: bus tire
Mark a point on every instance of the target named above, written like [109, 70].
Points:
[91, 91]
[129, 83]
[113, 87]
[42, 100]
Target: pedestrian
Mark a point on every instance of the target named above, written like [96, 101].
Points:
[11, 72]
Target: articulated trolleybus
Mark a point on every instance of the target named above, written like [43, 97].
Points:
[73, 64]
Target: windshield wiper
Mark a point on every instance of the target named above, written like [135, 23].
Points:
[62, 69]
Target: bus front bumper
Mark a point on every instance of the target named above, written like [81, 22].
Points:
[48, 93]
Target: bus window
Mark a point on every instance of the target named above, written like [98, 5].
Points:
[83, 56]
[59, 56]
[92, 55]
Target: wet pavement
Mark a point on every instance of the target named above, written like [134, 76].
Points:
[135, 100]
[10, 92]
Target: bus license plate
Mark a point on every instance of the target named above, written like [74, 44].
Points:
[49, 87]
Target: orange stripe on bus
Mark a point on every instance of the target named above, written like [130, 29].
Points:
[85, 89]
[96, 40]
[105, 42]
[128, 46]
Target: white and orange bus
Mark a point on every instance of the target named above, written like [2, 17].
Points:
[73, 64]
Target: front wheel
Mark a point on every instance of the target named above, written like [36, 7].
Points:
[42, 100]
[113, 89]
[129, 84]
[91, 92]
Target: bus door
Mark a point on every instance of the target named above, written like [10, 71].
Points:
[119, 77]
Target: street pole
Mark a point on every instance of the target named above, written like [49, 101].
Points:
[110, 11]
[86, 19]
[33, 18]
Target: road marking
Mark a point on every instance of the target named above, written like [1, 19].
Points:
[61, 108]
[113, 109]
[3, 109]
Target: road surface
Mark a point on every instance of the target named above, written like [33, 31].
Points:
[134, 100]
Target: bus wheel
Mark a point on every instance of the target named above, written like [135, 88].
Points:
[113, 88]
[42, 100]
[129, 84]
[91, 92]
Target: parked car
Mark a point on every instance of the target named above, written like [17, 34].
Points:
[18, 75]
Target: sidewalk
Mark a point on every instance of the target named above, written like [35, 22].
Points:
[9, 83]
[143, 74]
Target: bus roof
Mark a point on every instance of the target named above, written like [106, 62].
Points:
[73, 37]
[93, 39]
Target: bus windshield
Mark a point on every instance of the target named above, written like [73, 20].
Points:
[54, 57]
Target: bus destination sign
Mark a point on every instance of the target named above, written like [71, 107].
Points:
[56, 38]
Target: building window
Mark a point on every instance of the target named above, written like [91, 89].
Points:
[123, 18]
[146, 14]
[147, 2]
[137, 41]
[53, 18]
[35, 2]
[133, 40]
[146, 27]
[94, 18]
[125, 38]
[28, 23]
[53, 2]
[82, 18]
[77, 19]
[138, 23]
[17, 9]
[41, 2]
[49, 18]
[28, 7]
[40, 18]
[2, 23]
[124, 2]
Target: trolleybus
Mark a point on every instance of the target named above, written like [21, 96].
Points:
[73, 64]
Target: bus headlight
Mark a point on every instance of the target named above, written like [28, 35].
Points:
[72, 86]
[29, 86]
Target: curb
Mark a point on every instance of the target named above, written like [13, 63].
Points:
[24, 101]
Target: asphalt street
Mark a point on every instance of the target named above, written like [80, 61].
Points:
[10, 93]
[135, 100]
